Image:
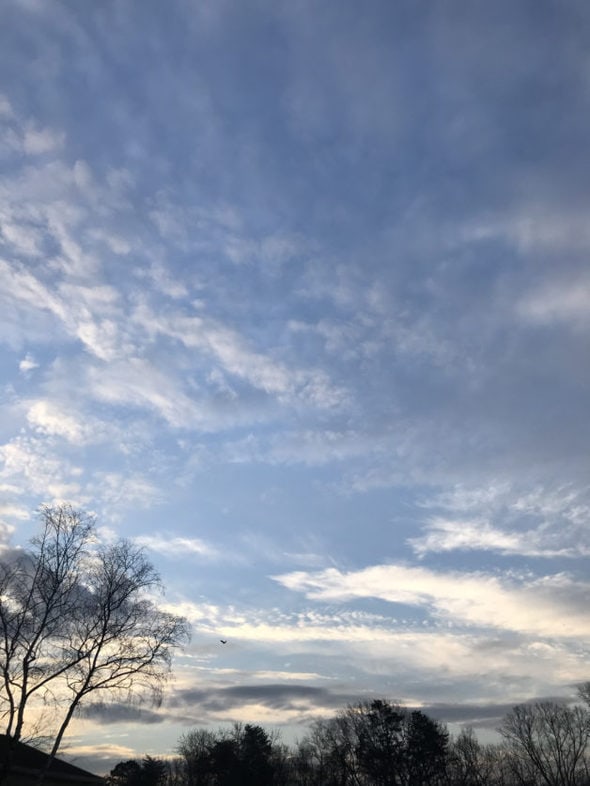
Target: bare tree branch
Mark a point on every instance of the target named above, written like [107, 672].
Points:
[77, 618]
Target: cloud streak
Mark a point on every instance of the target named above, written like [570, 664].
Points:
[172, 546]
[548, 606]
[477, 535]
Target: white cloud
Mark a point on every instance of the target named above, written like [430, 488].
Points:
[25, 288]
[545, 501]
[60, 418]
[448, 535]
[312, 387]
[7, 488]
[464, 535]
[28, 363]
[283, 676]
[461, 498]
[25, 238]
[550, 503]
[6, 533]
[226, 345]
[270, 253]
[312, 447]
[118, 491]
[237, 359]
[538, 521]
[14, 511]
[548, 606]
[557, 301]
[11, 512]
[48, 418]
[139, 383]
[67, 493]
[99, 754]
[44, 140]
[164, 281]
[369, 645]
[100, 337]
[93, 298]
[175, 546]
[64, 212]
[116, 243]
[534, 228]
[317, 446]
[31, 463]
[86, 313]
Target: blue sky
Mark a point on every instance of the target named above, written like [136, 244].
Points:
[297, 296]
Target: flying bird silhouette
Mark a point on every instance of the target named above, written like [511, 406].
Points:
[223, 641]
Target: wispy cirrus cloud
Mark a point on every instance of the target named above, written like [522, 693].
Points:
[85, 313]
[537, 224]
[547, 605]
[226, 346]
[412, 661]
[545, 521]
[124, 490]
[46, 417]
[445, 535]
[26, 137]
[563, 301]
[176, 547]
[138, 382]
[32, 464]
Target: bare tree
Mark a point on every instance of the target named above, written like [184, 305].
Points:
[38, 593]
[473, 764]
[77, 619]
[334, 740]
[547, 742]
[120, 641]
[195, 748]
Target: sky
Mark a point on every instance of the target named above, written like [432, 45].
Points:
[296, 296]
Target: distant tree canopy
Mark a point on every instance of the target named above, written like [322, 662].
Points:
[147, 772]
[76, 619]
[380, 743]
[548, 743]
[244, 756]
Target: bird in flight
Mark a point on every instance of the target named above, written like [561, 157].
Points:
[223, 641]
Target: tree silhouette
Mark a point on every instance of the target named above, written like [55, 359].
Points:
[226, 763]
[195, 748]
[125, 773]
[75, 619]
[148, 772]
[547, 742]
[377, 743]
[255, 755]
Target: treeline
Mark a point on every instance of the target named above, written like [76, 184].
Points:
[379, 743]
